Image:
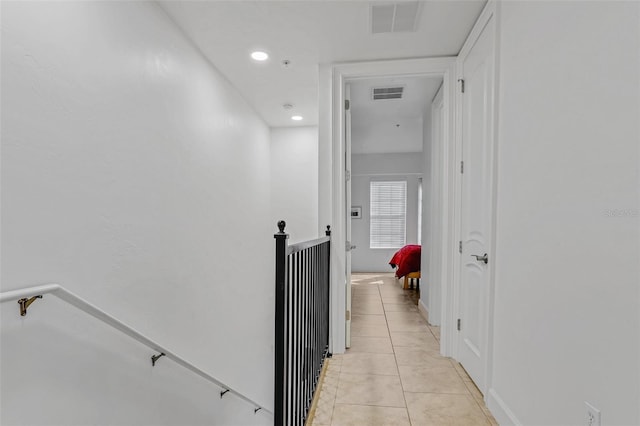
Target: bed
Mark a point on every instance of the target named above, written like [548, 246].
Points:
[407, 263]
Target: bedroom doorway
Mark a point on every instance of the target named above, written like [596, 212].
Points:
[441, 69]
[388, 155]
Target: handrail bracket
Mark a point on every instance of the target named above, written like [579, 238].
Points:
[25, 303]
[155, 358]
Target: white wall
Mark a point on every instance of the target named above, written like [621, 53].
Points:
[427, 206]
[368, 167]
[137, 177]
[567, 325]
[325, 147]
[294, 181]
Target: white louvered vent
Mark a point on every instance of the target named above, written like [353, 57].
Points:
[395, 17]
[379, 93]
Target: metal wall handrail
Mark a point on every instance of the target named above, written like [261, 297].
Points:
[74, 300]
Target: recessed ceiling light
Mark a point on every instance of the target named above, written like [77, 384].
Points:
[259, 56]
[296, 117]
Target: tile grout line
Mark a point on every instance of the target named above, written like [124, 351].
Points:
[393, 348]
[333, 405]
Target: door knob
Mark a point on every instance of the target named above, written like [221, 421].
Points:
[484, 258]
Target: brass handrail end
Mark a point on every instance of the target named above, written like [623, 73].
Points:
[25, 303]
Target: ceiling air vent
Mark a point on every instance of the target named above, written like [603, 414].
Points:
[379, 93]
[395, 17]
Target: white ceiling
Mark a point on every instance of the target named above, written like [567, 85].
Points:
[308, 33]
[393, 125]
[416, 98]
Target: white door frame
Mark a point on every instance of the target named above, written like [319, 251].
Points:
[347, 217]
[489, 12]
[332, 87]
[436, 205]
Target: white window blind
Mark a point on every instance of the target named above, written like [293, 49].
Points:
[388, 214]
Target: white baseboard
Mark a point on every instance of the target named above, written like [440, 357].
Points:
[424, 311]
[501, 412]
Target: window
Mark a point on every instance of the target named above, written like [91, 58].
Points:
[388, 214]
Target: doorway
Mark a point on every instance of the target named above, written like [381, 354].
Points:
[389, 151]
[335, 79]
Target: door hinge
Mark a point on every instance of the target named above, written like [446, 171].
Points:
[459, 327]
[347, 175]
[460, 246]
[462, 167]
[347, 104]
[347, 315]
[461, 85]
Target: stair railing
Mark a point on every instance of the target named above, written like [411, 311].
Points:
[301, 324]
[26, 296]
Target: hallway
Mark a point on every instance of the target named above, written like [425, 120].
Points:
[393, 373]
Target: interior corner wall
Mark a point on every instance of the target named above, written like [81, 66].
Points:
[294, 181]
[325, 147]
[368, 167]
[427, 211]
[567, 302]
[137, 177]
[432, 256]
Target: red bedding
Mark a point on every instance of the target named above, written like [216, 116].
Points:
[407, 259]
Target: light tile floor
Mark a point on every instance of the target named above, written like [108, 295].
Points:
[393, 373]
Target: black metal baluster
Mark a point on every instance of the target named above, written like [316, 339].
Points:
[305, 369]
[326, 289]
[303, 334]
[318, 313]
[308, 366]
[299, 410]
[281, 264]
[323, 320]
[288, 394]
[314, 347]
[303, 337]
[294, 342]
[316, 317]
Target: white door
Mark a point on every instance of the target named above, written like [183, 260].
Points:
[349, 247]
[476, 208]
